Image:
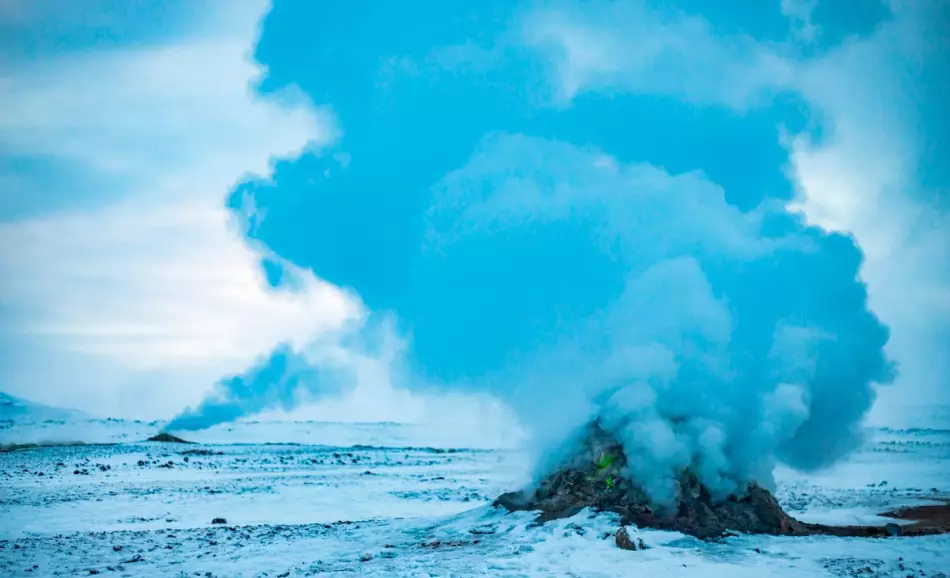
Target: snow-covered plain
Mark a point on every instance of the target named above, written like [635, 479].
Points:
[307, 498]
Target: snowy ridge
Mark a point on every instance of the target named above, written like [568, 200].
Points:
[20, 410]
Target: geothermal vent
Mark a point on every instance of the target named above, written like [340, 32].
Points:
[594, 478]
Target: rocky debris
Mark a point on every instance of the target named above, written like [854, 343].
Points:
[436, 543]
[165, 437]
[201, 453]
[595, 477]
[219, 521]
[625, 542]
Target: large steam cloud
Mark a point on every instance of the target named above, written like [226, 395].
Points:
[734, 340]
[574, 286]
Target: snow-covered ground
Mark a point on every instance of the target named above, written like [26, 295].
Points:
[394, 500]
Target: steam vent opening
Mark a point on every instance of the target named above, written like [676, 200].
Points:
[595, 477]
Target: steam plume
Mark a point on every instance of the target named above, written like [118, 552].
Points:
[277, 382]
[731, 341]
[574, 286]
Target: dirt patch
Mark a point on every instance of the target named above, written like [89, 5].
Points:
[934, 518]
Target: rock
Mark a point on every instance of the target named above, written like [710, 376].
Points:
[595, 478]
[219, 521]
[623, 540]
[165, 437]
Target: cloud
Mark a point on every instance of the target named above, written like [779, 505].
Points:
[153, 285]
[866, 177]
[140, 111]
[158, 281]
[629, 46]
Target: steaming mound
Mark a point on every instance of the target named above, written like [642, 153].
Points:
[168, 438]
[594, 478]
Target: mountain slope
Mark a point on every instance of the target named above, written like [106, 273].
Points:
[17, 409]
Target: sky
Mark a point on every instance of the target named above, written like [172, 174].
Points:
[452, 209]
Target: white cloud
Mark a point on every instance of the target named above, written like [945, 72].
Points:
[154, 294]
[156, 285]
[628, 46]
[863, 180]
[141, 111]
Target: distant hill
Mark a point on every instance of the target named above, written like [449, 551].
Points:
[17, 409]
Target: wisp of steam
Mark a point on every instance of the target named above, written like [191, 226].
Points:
[574, 286]
[276, 382]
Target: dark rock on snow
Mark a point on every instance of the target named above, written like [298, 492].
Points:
[595, 477]
[625, 542]
[166, 437]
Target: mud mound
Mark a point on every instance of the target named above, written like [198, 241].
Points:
[167, 438]
[594, 478]
[932, 519]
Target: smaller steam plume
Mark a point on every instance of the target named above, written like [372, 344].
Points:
[276, 382]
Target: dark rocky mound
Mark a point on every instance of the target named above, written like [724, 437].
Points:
[167, 438]
[594, 478]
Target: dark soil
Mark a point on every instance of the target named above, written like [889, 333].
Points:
[927, 519]
[595, 478]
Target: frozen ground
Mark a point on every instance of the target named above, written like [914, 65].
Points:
[300, 499]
